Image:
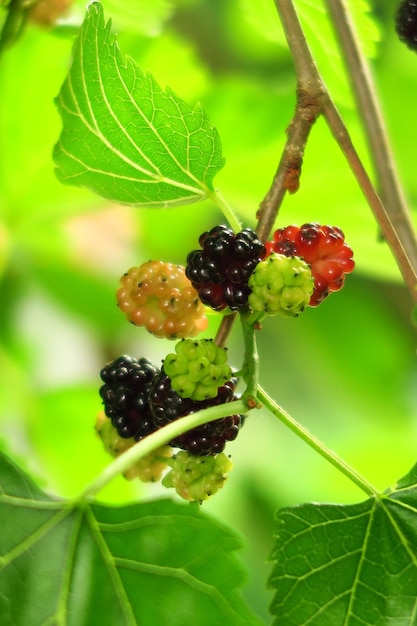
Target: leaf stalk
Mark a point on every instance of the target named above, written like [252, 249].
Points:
[159, 438]
[316, 444]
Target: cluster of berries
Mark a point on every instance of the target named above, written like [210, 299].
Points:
[139, 399]
[236, 270]
[230, 271]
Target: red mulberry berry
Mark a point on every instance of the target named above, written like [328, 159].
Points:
[167, 406]
[220, 270]
[125, 395]
[325, 251]
[406, 23]
[160, 297]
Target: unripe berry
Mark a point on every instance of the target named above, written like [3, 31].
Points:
[281, 285]
[197, 478]
[160, 297]
[198, 369]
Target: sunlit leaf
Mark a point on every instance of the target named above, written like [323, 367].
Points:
[78, 563]
[348, 565]
[124, 137]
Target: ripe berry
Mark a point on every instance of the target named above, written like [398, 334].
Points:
[167, 406]
[148, 469]
[125, 396]
[220, 270]
[406, 23]
[160, 297]
[281, 285]
[198, 368]
[196, 477]
[325, 251]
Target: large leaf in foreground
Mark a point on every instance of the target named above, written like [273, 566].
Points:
[80, 564]
[123, 136]
[348, 565]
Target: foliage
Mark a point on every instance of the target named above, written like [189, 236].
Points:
[61, 252]
[111, 564]
[348, 563]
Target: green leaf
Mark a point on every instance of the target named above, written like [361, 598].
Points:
[348, 565]
[123, 136]
[80, 564]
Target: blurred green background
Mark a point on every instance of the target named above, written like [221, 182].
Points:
[346, 370]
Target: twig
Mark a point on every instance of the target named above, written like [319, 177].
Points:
[313, 100]
[390, 233]
[309, 80]
[310, 91]
[388, 184]
[287, 177]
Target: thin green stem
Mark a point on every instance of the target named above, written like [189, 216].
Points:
[13, 24]
[251, 358]
[226, 209]
[316, 444]
[158, 439]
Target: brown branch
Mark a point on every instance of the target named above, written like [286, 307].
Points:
[388, 184]
[313, 100]
[400, 240]
[287, 177]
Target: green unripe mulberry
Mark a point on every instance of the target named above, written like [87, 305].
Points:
[197, 369]
[197, 477]
[281, 285]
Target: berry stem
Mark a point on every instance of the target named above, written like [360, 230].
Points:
[160, 438]
[316, 444]
[14, 23]
[226, 209]
[224, 329]
[251, 358]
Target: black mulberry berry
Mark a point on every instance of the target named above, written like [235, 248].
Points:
[167, 406]
[220, 270]
[125, 395]
[406, 23]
